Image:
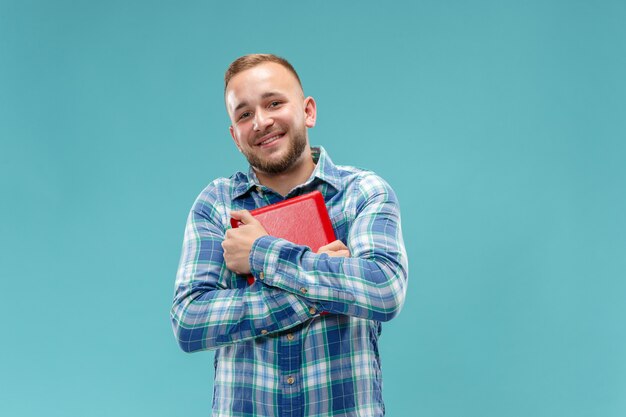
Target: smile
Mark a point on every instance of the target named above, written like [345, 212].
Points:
[270, 139]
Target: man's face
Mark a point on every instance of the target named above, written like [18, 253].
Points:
[269, 116]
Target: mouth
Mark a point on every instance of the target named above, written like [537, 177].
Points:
[269, 138]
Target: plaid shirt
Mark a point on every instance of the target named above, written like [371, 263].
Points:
[276, 355]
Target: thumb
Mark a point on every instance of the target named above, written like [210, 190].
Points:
[243, 216]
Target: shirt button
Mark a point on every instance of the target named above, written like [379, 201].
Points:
[290, 336]
[303, 290]
[261, 275]
[291, 380]
[312, 310]
[263, 331]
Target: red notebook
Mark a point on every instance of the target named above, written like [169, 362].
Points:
[302, 220]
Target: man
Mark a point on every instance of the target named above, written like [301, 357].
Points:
[277, 354]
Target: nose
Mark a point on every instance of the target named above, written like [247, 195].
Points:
[262, 121]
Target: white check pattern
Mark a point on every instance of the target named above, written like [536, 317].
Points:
[276, 355]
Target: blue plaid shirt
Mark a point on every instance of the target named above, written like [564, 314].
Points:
[275, 354]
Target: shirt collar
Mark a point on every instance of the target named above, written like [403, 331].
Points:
[325, 171]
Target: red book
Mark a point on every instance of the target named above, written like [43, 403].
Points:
[302, 220]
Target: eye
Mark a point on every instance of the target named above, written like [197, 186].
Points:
[274, 104]
[244, 115]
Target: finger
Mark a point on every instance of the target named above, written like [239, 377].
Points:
[325, 248]
[243, 216]
[339, 254]
[334, 246]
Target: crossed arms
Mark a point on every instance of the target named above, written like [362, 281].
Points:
[293, 284]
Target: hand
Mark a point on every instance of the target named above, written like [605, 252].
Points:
[336, 249]
[238, 242]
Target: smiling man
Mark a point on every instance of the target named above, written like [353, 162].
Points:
[276, 354]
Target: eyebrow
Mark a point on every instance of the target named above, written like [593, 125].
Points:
[263, 96]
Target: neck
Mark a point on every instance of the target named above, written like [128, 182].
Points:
[286, 181]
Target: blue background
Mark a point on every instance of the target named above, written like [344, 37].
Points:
[501, 125]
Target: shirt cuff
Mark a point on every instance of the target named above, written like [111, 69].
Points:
[273, 263]
[262, 258]
[264, 265]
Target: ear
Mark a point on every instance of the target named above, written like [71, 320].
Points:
[232, 134]
[310, 112]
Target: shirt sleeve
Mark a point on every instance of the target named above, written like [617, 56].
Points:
[206, 313]
[370, 284]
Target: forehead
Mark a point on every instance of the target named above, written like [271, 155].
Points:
[254, 83]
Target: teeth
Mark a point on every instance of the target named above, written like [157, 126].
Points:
[270, 140]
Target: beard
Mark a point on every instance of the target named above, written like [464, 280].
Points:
[295, 150]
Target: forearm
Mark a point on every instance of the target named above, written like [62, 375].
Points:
[371, 288]
[205, 318]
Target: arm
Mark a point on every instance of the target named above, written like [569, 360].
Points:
[370, 284]
[206, 314]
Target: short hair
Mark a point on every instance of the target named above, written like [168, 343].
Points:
[252, 60]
